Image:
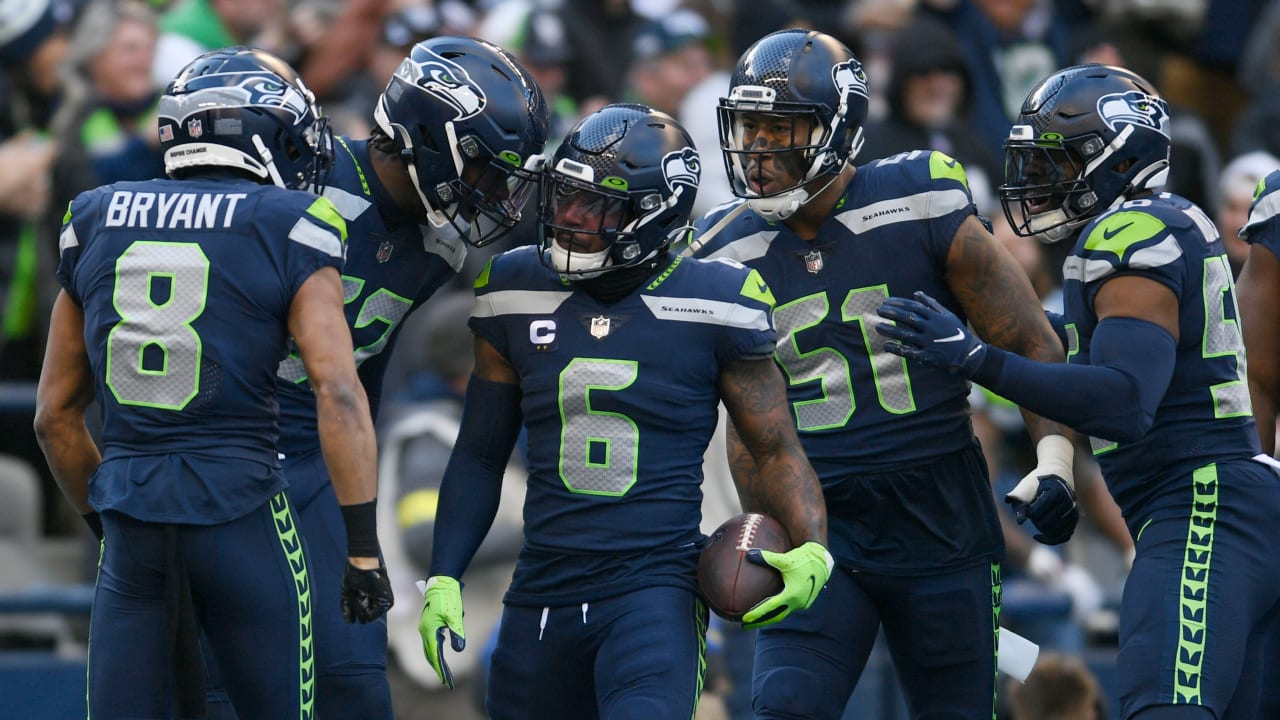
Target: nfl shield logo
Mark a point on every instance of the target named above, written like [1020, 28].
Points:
[813, 262]
[599, 327]
[384, 251]
[195, 128]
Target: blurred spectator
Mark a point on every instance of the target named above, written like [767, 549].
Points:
[928, 104]
[1235, 190]
[598, 33]
[1060, 687]
[105, 128]
[669, 56]
[1258, 127]
[1009, 46]
[32, 46]
[191, 27]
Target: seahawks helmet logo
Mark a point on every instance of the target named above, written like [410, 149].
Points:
[1134, 108]
[682, 167]
[259, 89]
[849, 77]
[444, 80]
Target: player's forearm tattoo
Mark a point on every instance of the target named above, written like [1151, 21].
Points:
[998, 297]
[765, 456]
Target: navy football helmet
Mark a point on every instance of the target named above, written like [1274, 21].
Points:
[1087, 138]
[627, 173]
[470, 123]
[816, 86]
[248, 110]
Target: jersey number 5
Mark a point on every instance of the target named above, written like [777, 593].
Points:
[830, 368]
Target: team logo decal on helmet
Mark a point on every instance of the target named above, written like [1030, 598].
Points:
[445, 80]
[682, 167]
[1135, 108]
[849, 77]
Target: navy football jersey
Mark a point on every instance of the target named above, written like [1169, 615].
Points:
[857, 407]
[1263, 228]
[1206, 414]
[186, 288]
[620, 402]
[393, 266]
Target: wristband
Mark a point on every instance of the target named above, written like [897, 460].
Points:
[362, 529]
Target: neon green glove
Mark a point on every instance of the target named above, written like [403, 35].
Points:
[804, 573]
[441, 608]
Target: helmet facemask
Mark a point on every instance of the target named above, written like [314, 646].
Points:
[1045, 193]
[761, 139]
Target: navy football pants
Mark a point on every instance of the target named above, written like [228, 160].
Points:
[249, 587]
[637, 656]
[941, 631]
[351, 659]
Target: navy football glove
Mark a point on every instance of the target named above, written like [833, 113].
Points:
[1047, 494]
[930, 333]
[366, 594]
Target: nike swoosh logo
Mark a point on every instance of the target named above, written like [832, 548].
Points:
[952, 338]
[762, 287]
[1109, 233]
[813, 589]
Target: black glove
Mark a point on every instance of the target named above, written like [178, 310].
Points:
[366, 594]
[1053, 510]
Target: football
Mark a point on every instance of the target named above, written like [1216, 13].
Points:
[731, 584]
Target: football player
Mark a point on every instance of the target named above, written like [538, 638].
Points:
[1259, 297]
[162, 281]
[460, 132]
[1157, 377]
[615, 353]
[913, 524]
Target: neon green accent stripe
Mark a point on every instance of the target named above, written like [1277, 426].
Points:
[20, 312]
[1193, 594]
[756, 289]
[665, 273]
[701, 619]
[483, 278]
[325, 212]
[291, 543]
[942, 166]
[1118, 232]
[1257, 191]
[997, 600]
[1142, 530]
[364, 184]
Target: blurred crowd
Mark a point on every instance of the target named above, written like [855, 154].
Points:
[81, 79]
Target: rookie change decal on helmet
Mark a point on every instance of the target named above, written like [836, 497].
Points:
[446, 80]
[1134, 108]
[682, 167]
